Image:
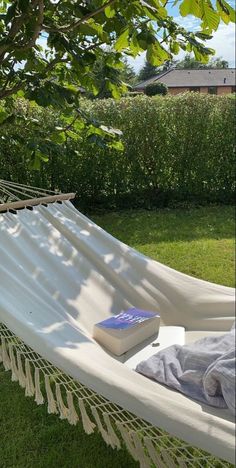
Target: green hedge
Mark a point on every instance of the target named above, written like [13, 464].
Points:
[177, 148]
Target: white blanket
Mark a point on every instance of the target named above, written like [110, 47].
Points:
[204, 370]
[60, 274]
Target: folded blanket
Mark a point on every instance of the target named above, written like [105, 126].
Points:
[204, 370]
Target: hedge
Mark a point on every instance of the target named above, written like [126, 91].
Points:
[178, 148]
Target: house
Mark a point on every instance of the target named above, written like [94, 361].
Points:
[213, 81]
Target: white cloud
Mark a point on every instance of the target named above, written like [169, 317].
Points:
[223, 42]
[137, 62]
[190, 22]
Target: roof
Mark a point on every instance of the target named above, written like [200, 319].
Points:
[187, 78]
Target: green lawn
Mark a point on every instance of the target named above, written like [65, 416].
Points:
[196, 241]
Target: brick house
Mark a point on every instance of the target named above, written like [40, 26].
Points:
[213, 81]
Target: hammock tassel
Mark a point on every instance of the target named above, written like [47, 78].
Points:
[60, 403]
[100, 427]
[144, 461]
[87, 423]
[14, 370]
[38, 394]
[168, 459]
[113, 437]
[29, 384]
[5, 358]
[153, 454]
[52, 406]
[127, 440]
[72, 415]
[21, 374]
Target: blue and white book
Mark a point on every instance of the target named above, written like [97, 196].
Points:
[122, 332]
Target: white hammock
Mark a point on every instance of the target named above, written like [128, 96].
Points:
[59, 274]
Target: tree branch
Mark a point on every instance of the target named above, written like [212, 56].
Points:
[18, 22]
[85, 18]
[8, 92]
[38, 27]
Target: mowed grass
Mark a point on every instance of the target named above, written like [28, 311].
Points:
[196, 241]
[199, 242]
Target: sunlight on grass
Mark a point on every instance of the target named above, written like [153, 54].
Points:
[197, 241]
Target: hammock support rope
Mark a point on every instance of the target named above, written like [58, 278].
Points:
[14, 192]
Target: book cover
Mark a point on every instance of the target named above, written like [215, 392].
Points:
[127, 319]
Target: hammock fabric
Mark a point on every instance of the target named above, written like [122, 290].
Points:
[59, 274]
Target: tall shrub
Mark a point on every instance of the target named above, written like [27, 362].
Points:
[176, 148]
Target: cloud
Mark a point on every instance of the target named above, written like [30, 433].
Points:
[223, 42]
[191, 23]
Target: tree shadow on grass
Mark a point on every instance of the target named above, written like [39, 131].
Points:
[170, 225]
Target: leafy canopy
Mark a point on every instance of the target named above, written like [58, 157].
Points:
[74, 33]
[191, 62]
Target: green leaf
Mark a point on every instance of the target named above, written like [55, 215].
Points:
[114, 90]
[3, 115]
[227, 13]
[210, 17]
[42, 156]
[156, 54]
[174, 47]
[58, 137]
[110, 11]
[35, 161]
[204, 36]
[190, 7]
[117, 145]
[134, 45]
[122, 41]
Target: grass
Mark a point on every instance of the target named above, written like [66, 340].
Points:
[196, 241]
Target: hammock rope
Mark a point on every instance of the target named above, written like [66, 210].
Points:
[15, 196]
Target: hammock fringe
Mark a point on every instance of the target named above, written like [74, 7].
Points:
[142, 440]
[21, 375]
[29, 385]
[72, 415]
[39, 399]
[14, 370]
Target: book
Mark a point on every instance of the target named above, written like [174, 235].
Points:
[122, 332]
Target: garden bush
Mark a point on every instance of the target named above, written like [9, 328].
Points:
[156, 88]
[177, 148]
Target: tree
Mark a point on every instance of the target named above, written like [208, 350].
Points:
[128, 74]
[218, 62]
[103, 75]
[147, 71]
[156, 88]
[191, 62]
[75, 33]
